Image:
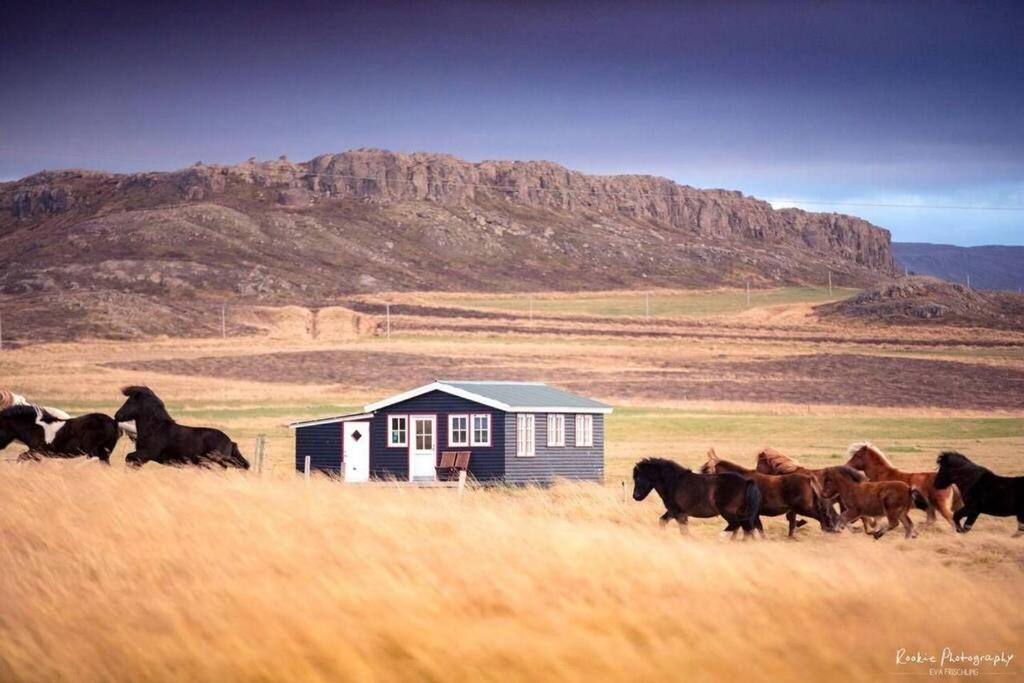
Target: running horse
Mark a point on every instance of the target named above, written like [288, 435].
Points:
[688, 494]
[872, 462]
[984, 492]
[94, 435]
[160, 439]
[863, 498]
[782, 494]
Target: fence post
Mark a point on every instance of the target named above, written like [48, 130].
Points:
[261, 446]
[223, 321]
[830, 282]
[387, 321]
[1, 330]
[306, 473]
[647, 304]
[748, 293]
[623, 491]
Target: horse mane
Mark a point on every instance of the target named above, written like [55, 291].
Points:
[957, 461]
[152, 403]
[854, 447]
[850, 473]
[662, 465]
[779, 462]
[6, 399]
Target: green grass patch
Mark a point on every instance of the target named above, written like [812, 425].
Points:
[695, 303]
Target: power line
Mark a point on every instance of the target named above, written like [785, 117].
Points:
[591, 192]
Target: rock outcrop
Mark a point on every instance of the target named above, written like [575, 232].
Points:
[278, 232]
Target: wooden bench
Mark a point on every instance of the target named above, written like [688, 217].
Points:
[454, 466]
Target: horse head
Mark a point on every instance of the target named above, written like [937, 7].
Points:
[643, 481]
[142, 403]
[858, 456]
[951, 464]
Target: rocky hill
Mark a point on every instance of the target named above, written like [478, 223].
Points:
[101, 247]
[921, 299]
[989, 267]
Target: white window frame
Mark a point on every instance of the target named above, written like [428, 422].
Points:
[585, 431]
[472, 430]
[526, 435]
[451, 429]
[391, 430]
[556, 430]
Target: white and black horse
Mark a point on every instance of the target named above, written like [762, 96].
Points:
[161, 439]
[984, 492]
[94, 435]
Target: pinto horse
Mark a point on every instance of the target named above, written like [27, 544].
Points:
[863, 498]
[781, 494]
[160, 439]
[687, 494]
[984, 492]
[94, 435]
[872, 462]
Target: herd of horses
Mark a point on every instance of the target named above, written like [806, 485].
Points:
[53, 433]
[867, 488]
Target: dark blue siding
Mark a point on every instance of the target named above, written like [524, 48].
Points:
[322, 443]
[551, 462]
[486, 464]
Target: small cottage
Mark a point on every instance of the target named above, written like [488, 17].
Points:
[515, 432]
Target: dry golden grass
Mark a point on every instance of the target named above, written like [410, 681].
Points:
[165, 574]
[169, 574]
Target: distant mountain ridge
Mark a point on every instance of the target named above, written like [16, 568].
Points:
[363, 221]
[989, 267]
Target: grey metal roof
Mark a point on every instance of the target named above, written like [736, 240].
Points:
[524, 395]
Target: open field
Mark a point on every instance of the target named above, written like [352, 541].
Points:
[669, 303]
[165, 574]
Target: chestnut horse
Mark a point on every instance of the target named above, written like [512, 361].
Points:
[781, 494]
[863, 498]
[872, 462]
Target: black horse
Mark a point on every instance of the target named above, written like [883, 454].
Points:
[687, 494]
[94, 435]
[984, 492]
[161, 439]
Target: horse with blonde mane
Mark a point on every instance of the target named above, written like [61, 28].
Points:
[873, 462]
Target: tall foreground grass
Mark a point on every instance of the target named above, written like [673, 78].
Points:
[169, 574]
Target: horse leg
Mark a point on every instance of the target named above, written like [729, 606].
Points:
[684, 524]
[957, 516]
[29, 456]
[1020, 525]
[791, 518]
[894, 521]
[972, 516]
[944, 504]
[908, 525]
[664, 519]
[930, 513]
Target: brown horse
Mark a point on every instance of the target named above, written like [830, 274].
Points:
[863, 498]
[785, 494]
[872, 462]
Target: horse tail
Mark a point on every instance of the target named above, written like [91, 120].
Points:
[752, 503]
[237, 458]
[920, 502]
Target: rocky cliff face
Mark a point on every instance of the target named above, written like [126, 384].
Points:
[371, 220]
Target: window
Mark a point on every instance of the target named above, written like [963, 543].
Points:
[481, 430]
[524, 436]
[556, 430]
[584, 430]
[458, 430]
[398, 431]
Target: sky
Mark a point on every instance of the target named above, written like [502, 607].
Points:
[829, 105]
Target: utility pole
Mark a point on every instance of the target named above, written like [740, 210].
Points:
[830, 282]
[387, 321]
[968, 280]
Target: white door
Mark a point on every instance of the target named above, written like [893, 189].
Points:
[356, 445]
[422, 447]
